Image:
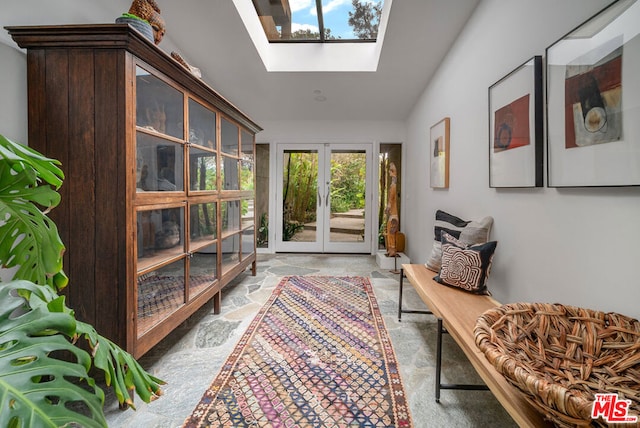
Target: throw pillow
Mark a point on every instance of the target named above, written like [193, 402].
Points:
[466, 266]
[468, 231]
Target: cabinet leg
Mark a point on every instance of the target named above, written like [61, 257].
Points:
[216, 302]
[253, 268]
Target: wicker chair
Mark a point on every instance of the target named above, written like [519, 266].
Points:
[561, 356]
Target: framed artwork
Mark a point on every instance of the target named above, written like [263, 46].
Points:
[593, 107]
[439, 164]
[515, 128]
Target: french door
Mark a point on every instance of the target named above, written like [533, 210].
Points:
[324, 196]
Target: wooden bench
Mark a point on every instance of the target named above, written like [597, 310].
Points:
[457, 312]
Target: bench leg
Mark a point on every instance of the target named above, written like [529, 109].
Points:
[439, 359]
[439, 384]
[400, 295]
[400, 310]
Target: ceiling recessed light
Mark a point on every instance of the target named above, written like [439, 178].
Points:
[320, 98]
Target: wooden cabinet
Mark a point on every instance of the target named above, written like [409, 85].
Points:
[157, 204]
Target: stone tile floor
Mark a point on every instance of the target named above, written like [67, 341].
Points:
[190, 357]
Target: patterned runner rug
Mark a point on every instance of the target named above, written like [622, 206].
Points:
[316, 355]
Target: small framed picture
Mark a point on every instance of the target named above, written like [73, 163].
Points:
[439, 165]
[515, 128]
[593, 88]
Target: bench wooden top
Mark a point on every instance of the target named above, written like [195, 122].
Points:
[459, 311]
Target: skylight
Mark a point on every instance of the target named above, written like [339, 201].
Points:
[316, 35]
[319, 20]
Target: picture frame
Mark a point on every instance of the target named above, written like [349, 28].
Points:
[439, 154]
[516, 128]
[593, 88]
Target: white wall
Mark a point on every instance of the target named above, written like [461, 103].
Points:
[573, 246]
[331, 131]
[13, 93]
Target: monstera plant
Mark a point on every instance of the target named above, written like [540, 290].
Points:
[44, 364]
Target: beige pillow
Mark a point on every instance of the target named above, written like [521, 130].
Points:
[469, 232]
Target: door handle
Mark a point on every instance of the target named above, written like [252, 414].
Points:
[319, 199]
[326, 201]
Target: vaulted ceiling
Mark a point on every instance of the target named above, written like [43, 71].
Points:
[210, 35]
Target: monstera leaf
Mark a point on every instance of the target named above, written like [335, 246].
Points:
[120, 369]
[29, 240]
[36, 388]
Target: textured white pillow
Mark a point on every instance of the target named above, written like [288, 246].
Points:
[468, 231]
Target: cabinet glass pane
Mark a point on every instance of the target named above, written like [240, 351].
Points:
[160, 235]
[202, 170]
[202, 125]
[230, 252]
[229, 173]
[246, 174]
[246, 142]
[159, 164]
[159, 107]
[230, 216]
[229, 137]
[202, 226]
[248, 242]
[247, 213]
[160, 293]
[202, 269]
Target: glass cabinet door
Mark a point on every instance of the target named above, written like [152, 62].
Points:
[160, 235]
[228, 137]
[230, 214]
[229, 163]
[161, 264]
[230, 252]
[247, 162]
[159, 164]
[202, 125]
[159, 106]
[160, 293]
[202, 170]
[203, 251]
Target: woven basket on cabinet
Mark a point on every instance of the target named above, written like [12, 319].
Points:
[560, 356]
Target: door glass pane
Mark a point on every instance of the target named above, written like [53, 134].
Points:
[159, 235]
[248, 209]
[229, 173]
[299, 195]
[230, 213]
[202, 125]
[247, 162]
[159, 165]
[229, 137]
[159, 107]
[160, 293]
[202, 269]
[248, 242]
[230, 252]
[348, 189]
[202, 224]
[202, 170]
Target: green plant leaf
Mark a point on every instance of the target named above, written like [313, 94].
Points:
[120, 369]
[28, 238]
[22, 157]
[37, 388]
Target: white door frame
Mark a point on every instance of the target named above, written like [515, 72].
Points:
[323, 243]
